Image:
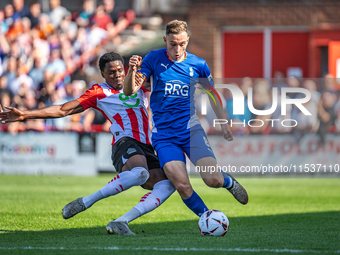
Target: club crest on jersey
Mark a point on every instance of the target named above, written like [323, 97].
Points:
[176, 89]
[191, 73]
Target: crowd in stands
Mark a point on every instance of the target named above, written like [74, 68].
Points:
[324, 107]
[46, 58]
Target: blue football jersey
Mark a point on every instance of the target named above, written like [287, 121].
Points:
[173, 87]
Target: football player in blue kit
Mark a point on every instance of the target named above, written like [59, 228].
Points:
[174, 73]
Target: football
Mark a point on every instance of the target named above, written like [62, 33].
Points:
[213, 223]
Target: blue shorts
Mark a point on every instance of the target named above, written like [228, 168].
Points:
[172, 146]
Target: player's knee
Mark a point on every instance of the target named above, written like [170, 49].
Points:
[141, 173]
[184, 189]
[214, 182]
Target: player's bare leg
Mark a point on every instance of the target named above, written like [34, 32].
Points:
[218, 179]
[177, 174]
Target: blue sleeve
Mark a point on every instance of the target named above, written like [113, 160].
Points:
[206, 77]
[146, 69]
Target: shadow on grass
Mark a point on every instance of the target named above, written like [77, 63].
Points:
[315, 232]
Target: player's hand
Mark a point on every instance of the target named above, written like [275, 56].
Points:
[11, 116]
[227, 134]
[135, 62]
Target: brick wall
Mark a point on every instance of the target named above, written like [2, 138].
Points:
[206, 18]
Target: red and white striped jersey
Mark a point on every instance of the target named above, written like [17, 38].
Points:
[127, 114]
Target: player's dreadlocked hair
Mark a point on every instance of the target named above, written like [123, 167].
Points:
[109, 57]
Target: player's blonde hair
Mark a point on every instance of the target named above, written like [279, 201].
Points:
[176, 27]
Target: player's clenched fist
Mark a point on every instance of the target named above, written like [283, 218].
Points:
[135, 61]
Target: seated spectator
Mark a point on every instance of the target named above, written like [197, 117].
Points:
[37, 72]
[3, 25]
[44, 26]
[35, 11]
[30, 103]
[326, 114]
[83, 19]
[10, 15]
[240, 129]
[24, 39]
[57, 13]
[14, 30]
[101, 19]
[261, 101]
[11, 70]
[69, 28]
[4, 87]
[41, 47]
[20, 8]
[22, 79]
[56, 64]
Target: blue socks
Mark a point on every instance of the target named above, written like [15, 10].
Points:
[195, 204]
[228, 182]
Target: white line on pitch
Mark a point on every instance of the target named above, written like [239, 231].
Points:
[171, 249]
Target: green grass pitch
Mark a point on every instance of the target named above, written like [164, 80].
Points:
[284, 216]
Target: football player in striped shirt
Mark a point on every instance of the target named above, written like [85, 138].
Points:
[132, 153]
[174, 74]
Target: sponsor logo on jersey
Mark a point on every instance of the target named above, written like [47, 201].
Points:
[176, 89]
[165, 66]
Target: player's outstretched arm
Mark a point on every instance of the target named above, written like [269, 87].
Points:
[221, 114]
[53, 111]
[133, 82]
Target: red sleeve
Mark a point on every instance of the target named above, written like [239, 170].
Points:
[89, 98]
[144, 89]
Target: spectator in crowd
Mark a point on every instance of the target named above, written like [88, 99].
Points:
[15, 29]
[240, 129]
[56, 64]
[11, 70]
[57, 13]
[3, 25]
[30, 103]
[83, 20]
[109, 6]
[329, 83]
[20, 8]
[22, 81]
[35, 11]
[4, 87]
[279, 80]
[45, 27]
[41, 47]
[69, 28]
[261, 101]
[307, 123]
[101, 19]
[10, 15]
[37, 72]
[24, 39]
[327, 114]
